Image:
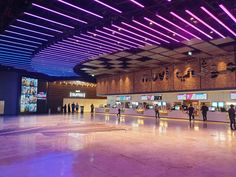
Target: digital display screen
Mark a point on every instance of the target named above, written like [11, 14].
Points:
[181, 97]
[150, 97]
[42, 96]
[192, 96]
[214, 104]
[123, 98]
[221, 104]
[233, 96]
[29, 89]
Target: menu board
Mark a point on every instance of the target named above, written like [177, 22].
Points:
[123, 98]
[150, 97]
[192, 96]
[233, 96]
[29, 89]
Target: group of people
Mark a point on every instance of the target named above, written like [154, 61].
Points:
[72, 108]
[191, 112]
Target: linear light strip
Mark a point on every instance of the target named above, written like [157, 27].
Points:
[227, 12]
[6, 45]
[168, 21]
[183, 20]
[14, 56]
[99, 43]
[145, 38]
[106, 5]
[157, 32]
[216, 19]
[49, 35]
[58, 57]
[15, 50]
[55, 22]
[89, 44]
[167, 29]
[17, 43]
[14, 63]
[204, 23]
[71, 49]
[33, 24]
[115, 40]
[58, 13]
[12, 32]
[13, 53]
[116, 32]
[94, 38]
[10, 37]
[137, 3]
[145, 33]
[79, 8]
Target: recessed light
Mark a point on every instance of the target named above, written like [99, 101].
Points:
[190, 53]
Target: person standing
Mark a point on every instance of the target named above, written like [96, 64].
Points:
[77, 107]
[118, 114]
[204, 110]
[64, 108]
[157, 113]
[68, 108]
[191, 112]
[231, 113]
[73, 107]
[92, 108]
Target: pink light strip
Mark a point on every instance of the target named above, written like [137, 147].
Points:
[106, 5]
[178, 27]
[25, 29]
[28, 23]
[98, 43]
[58, 23]
[118, 42]
[142, 32]
[76, 7]
[156, 32]
[58, 13]
[183, 20]
[116, 32]
[92, 45]
[197, 18]
[167, 29]
[216, 19]
[111, 43]
[227, 12]
[137, 3]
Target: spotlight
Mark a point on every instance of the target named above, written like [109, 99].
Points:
[190, 53]
[92, 75]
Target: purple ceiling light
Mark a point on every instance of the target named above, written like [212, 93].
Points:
[69, 54]
[118, 42]
[58, 13]
[67, 51]
[227, 12]
[15, 54]
[142, 32]
[220, 22]
[183, 20]
[76, 7]
[31, 31]
[98, 43]
[108, 6]
[25, 35]
[197, 18]
[156, 32]
[17, 43]
[164, 19]
[111, 43]
[137, 3]
[60, 47]
[52, 21]
[167, 29]
[10, 37]
[16, 47]
[116, 32]
[28, 23]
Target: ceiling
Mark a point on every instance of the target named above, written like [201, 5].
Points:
[68, 38]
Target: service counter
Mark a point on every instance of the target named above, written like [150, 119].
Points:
[211, 116]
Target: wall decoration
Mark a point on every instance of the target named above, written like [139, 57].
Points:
[183, 76]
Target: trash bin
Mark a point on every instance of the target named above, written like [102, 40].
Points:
[81, 109]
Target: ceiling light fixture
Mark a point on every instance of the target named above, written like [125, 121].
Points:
[79, 8]
[13, 53]
[227, 12]
[137, 3]
[16, 47]
[183, 20]
[52, 21]
[190, 13]
[15, 50]
[216, 19]
[17, 43]
[16, 38]
[106, 5]
[25, 35]
[168, 21]
[58, 13]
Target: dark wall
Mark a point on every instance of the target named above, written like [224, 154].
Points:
[9, 91]
[57, 91]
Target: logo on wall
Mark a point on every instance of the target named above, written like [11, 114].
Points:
[163, 75]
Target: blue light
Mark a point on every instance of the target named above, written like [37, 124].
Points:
[17, 43]
[12, 32]
[20, 39]
[14, 57]
[5, 45]
[17, 54]
[15, 50]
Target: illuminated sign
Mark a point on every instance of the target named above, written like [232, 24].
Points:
[233, 96]
[151, 97]
[77, 94]
[123, 98]
[192, 96]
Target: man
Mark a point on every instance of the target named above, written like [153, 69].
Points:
[231, 112]
[92, 108]
[204, 110]
[191, 112]
[157, 114]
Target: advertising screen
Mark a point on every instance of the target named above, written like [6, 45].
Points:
[233, 96]
[42, 96]
[123, 98]
[29, 89]
[181, 97]
[192, 96]
[150, 97]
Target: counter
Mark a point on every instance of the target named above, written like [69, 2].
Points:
[211, 116]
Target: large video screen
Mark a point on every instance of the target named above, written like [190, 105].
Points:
[29, 89]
